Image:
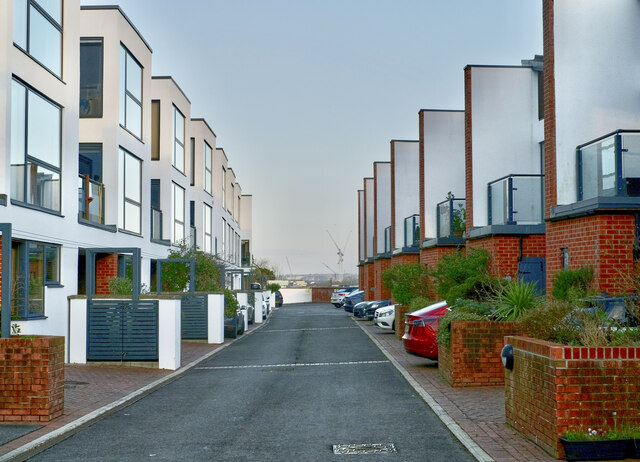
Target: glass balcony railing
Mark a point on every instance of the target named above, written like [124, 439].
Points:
[610, 166]
[452, 218]
[156, 224]
[387, 239]
[192, 237]
[516, 200]
[90, 199]
[412, 231]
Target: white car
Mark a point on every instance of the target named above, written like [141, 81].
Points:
[337, 297]
[385, 317]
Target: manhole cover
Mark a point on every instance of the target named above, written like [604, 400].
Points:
[371, 448]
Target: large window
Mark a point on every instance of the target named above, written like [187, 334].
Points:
[90, 187]
[130, 177]
[35, 148]
[224, 186]
[91, 77]
[34, 265]
[208, 168]
[178, 214]
[130, 93]
[37, 29]
[207, 228]
[155, 130]
[178, 139]
[223, 247]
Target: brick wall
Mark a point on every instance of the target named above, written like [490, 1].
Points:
[368, 280]
[431, 257]
[604, 242]
[468, 148]
[473, 357]
[361, 277]
[380, 292]
[31, 379]
[505, 251]
[550, 181]
[405, 258]
[555, 388]
[106, 268]
[321, 294]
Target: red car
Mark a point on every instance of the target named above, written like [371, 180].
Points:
[421, 328]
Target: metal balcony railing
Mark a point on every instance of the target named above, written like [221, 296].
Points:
[90, 199]
[412, 231]
[516, 200]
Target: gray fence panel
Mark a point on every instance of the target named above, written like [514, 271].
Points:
[194, 317]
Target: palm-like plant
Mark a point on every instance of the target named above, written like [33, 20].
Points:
[514, 299]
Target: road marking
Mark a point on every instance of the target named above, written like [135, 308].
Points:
[304, 329]
[258, 366]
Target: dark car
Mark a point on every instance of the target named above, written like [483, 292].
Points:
[359, 309]
[234, 325]
[278, 298]
[352, 300]
[255, 286]
[371, 309]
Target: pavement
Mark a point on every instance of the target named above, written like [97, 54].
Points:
[476, 416]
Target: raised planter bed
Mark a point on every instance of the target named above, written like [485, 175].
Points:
[31, 378]
[555, 388]
[472, 359]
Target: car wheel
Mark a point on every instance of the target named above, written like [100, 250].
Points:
[234, 334]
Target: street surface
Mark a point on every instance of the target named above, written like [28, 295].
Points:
[306, 381]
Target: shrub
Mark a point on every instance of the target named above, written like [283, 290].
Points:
[406, 281]
[175, 276]
[273, 287]
[465, 276]
[419, 303]
[571, 285]
[514, 299]
[251, 298]
[230, 303]
[120, 286]
[551, 321]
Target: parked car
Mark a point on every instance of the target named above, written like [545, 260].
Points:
[337, 298]
[371, 309]
[421, 329]
[265, 308]
[279, 298]
[251, 313]
[359, 309]
[255, 286]
[352, 300]
[234, 325]
[385, 317]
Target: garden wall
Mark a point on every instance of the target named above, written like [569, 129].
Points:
[554, 388]
[473, 357]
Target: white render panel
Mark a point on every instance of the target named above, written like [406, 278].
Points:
[444, 169]
[505, 129]
[215, 311]
[382, 177]
[169, 333]
[296, 296]
[77, 340]
[407, 185]
[369, 207]
[597, 74]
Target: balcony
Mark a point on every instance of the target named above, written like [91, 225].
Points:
[192, 237]
[412, 231]
[452, 218]
[156, 224]
[90, 200]
[516, 200]
[387, 240]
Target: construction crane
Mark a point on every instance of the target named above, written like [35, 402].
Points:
[335, 275]
[289, 265]
[340, 254]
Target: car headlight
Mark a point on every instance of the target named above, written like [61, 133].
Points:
[385, 312]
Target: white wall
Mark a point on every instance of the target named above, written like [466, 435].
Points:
[295, 296]
[505, 129]
[382, 178]
[597, 75]
[369, 208]
[443, 162]
[405, 167]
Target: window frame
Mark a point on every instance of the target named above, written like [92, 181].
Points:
[93, 40]
[207, 213]
[123, 92]
[174, 219]
[156, 120]
[224, 186]
[208, 185]
[175, 140]
[128, 200]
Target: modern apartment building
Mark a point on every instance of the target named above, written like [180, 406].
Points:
[98, 154]
[382, 226]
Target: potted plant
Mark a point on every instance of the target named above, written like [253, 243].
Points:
[595, 444]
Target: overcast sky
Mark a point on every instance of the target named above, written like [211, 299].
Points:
[305, 95]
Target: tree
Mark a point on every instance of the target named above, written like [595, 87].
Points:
[175, 276]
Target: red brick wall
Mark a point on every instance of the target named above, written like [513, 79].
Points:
[604, 242]
[369, 280]
[473, 357]
[405, 258]
[321, 294]
[468, 148]
[431, 257]
[550, 192]
[31, 379]
[106, 268]
[380, 292]
[361, 278]
[555, 388]
[505, 251]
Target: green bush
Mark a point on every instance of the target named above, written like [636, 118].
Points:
[419, 303]
[551, 321]
[175, 276]
[465, 276]
[571, 285]
[273, 287]
[514, 299]
[406, 281]
[120, 286]
[230, 303]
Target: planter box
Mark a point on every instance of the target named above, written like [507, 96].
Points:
[31, 379]
[472, 358]
[555, 388]
[595, 450]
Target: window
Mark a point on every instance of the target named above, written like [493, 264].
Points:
[223, 246]
[35, 148]
[207, 228]
[156, 211]
[540, 95]
[178, 139]
[178, 214]
[34, 265]
[90, 188]
[91, 52]
[233, 199]
[224, 186]
[208, 165]
[155, 130]
[193, 161]
[130, 93]
[37, 29]
[130, 177]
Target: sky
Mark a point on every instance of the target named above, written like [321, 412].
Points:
[304, 95]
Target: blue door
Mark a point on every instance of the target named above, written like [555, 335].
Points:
[533, 269]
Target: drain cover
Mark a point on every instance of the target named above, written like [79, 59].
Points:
[371, 448]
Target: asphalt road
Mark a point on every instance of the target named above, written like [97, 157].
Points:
[306, 381]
